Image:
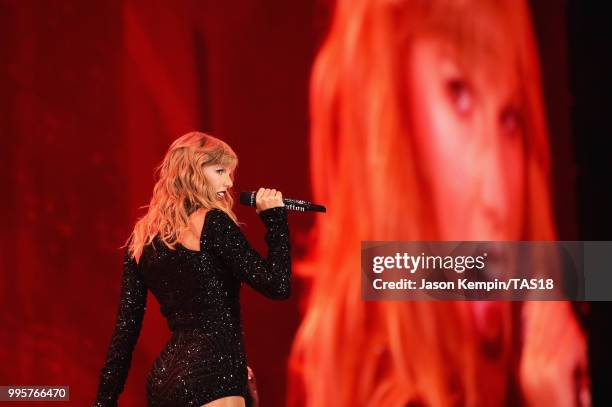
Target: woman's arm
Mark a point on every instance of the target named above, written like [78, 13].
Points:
[132, 305]
[270, 276]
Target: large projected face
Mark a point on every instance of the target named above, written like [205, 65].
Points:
[468, 125]
[467, 122]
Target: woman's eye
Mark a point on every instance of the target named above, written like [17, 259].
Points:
[511, 120]
[460, 95]
[220, 171]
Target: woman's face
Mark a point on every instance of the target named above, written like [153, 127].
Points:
[219, 179]
[468, 130]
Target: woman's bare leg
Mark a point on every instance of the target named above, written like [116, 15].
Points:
[231, 401]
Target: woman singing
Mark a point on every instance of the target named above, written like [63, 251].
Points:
[190, 253]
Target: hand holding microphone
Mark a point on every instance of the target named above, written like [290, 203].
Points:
[267, 198]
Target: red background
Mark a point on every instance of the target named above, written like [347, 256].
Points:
[96, 94]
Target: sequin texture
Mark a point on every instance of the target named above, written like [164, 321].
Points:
[199, 295]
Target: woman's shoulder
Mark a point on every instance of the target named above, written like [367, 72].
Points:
[207, 216]
[216, 218]
[216, 213]
[197, 218]
[207, 219]
[219, 223]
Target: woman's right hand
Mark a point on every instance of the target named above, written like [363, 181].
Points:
[268, 198]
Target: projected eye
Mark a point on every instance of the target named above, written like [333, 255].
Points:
[511, 121]
[460, 95]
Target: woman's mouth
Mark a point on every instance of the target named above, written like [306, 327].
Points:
[221, 194]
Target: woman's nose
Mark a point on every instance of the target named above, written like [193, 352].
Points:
[494, 193]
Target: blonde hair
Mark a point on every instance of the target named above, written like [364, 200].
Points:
[181, 189]
[348, 351]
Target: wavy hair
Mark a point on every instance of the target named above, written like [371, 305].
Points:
[181, 189]
[348, 351]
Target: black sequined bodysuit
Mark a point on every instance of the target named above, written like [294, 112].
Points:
[198, 293]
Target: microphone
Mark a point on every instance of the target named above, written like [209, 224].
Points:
[248, 199]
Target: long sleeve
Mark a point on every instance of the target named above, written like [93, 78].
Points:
[270, 276]
[132, 305]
